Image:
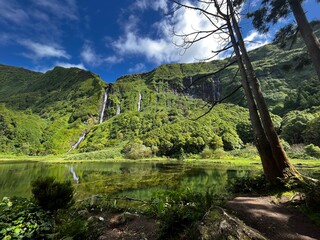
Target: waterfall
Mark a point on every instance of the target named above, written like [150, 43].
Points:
[74, 175]
[216, 90]
[139, 102]
[81, 138]
[105, 99]
[118, 109]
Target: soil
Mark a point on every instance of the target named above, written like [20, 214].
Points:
[126, 226]
[274, 220]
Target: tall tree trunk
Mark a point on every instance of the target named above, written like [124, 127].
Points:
[268, 162]
[307, 34]
[282, 161]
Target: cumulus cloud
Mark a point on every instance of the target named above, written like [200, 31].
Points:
[164, 47]
[41, 50]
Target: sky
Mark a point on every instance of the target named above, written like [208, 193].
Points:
[111, 38]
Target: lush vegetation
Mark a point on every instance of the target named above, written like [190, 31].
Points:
[152, 114]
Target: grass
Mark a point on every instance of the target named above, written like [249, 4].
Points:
[114, 156]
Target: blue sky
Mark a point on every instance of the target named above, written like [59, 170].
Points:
[108, 37]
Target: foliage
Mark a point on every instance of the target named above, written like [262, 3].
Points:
[52, 195]
[312, 192]
[43, 114]
[137, 151]
[312, 150]
[255, 184]
[311, 133]
[293, 125]
[207, 153]
[285, 35]
[70, 224]
[22, 219]
[178, 211]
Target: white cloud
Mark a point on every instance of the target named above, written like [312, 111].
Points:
[10, 12]
[40, 50]
[113, 59]
[138, 68]
[155, 5]
[45, 69]
[71, 65]
[62, 9]
[254, 40]
[90, 57]
[160, 49]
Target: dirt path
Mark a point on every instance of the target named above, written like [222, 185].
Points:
[275, 221]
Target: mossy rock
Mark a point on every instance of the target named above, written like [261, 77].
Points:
[219, 225]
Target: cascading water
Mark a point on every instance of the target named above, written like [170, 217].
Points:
[105, 99]
[139, 102]
[74, 146]
[118, 110]
[216, 90]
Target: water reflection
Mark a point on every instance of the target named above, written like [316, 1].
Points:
[132, 179]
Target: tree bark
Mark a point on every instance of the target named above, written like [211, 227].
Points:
[270, 168]
[307, 34]
[281, 159]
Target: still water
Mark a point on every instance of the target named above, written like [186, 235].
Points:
[132, 179]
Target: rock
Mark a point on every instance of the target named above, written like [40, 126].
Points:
[122, 218]
[218, 224]
[83, 212]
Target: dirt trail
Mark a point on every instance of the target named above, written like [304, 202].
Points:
[274, 221]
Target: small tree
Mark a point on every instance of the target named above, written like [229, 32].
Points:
[52, 195]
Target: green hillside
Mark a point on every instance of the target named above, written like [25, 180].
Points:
[153, 113]
[64, 102]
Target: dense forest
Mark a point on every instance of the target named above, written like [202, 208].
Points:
[156, 113]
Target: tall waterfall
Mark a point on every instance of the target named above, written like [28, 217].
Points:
[105, 99]
[118, 109]
[81, 138]
[216, 89]
[139, 102]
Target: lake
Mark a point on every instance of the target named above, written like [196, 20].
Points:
[132, 179]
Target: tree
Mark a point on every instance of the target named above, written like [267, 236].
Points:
[272, 10]
[274, 160]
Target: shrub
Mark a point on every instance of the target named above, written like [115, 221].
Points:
[256, 184]
[312, 132]
[178, 211]
[206, 153]
[312, 150]
[22, 219]
[231, 141]
[312, 193]
[137, 151]
[215, 142]
[52, 195]
[293, 125]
